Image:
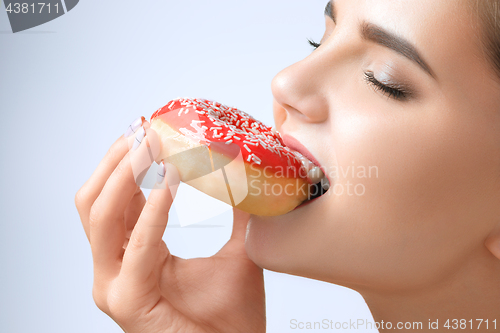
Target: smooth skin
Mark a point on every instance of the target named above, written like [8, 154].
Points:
[139, 283]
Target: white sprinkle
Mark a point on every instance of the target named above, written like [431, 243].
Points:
[229, 142]
[171, 104]
[180, 111]
[204, 127]
[249, 157]
[235, 137]
[186, 112]
[215, 128]
[246, 147]
[250, 143]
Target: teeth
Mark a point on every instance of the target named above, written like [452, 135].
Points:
[315, 191]
[325, 184]
[315, 175]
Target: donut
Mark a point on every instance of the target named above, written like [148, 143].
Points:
[229, 155]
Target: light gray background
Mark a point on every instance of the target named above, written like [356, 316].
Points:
[68, 90]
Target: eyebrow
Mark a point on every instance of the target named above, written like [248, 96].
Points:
[329, 10]
[376, 34]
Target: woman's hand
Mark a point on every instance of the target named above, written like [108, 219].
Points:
[143, 287]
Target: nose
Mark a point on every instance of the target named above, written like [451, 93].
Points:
[307, 90]
[299, 92]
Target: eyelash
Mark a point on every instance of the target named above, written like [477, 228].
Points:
[313, 43]
[397, 93]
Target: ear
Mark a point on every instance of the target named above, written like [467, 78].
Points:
[492, 242]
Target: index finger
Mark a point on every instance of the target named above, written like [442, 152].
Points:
[142, 250]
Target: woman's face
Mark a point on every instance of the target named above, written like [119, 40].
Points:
[400, 108]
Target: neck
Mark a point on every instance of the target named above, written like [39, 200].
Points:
[469, 295]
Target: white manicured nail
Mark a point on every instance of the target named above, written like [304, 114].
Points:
[160, 175]
[141, 133]
[133, 127]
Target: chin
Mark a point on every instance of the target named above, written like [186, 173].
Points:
[285, 243]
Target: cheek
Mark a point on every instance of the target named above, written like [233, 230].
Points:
[434, 176]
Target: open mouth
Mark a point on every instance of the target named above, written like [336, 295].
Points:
[318, 189]
[319, 182]
[317, 178]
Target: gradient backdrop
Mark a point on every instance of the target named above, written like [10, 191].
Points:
[68, 90]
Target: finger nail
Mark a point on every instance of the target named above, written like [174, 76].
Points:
[141, 133]
[133, 127]
[160, 175]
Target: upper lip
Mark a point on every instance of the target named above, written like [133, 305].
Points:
[295, 144]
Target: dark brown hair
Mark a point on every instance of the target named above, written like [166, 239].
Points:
[488, 12]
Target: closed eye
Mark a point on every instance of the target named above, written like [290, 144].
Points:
[397, 92]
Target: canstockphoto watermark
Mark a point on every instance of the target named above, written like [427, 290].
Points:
[353, 324]
[429, 325]
[26, 14]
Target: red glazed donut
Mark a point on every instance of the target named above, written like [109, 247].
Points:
[233, 157]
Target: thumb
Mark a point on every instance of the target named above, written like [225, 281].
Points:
[240, 222]
[236, 244]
